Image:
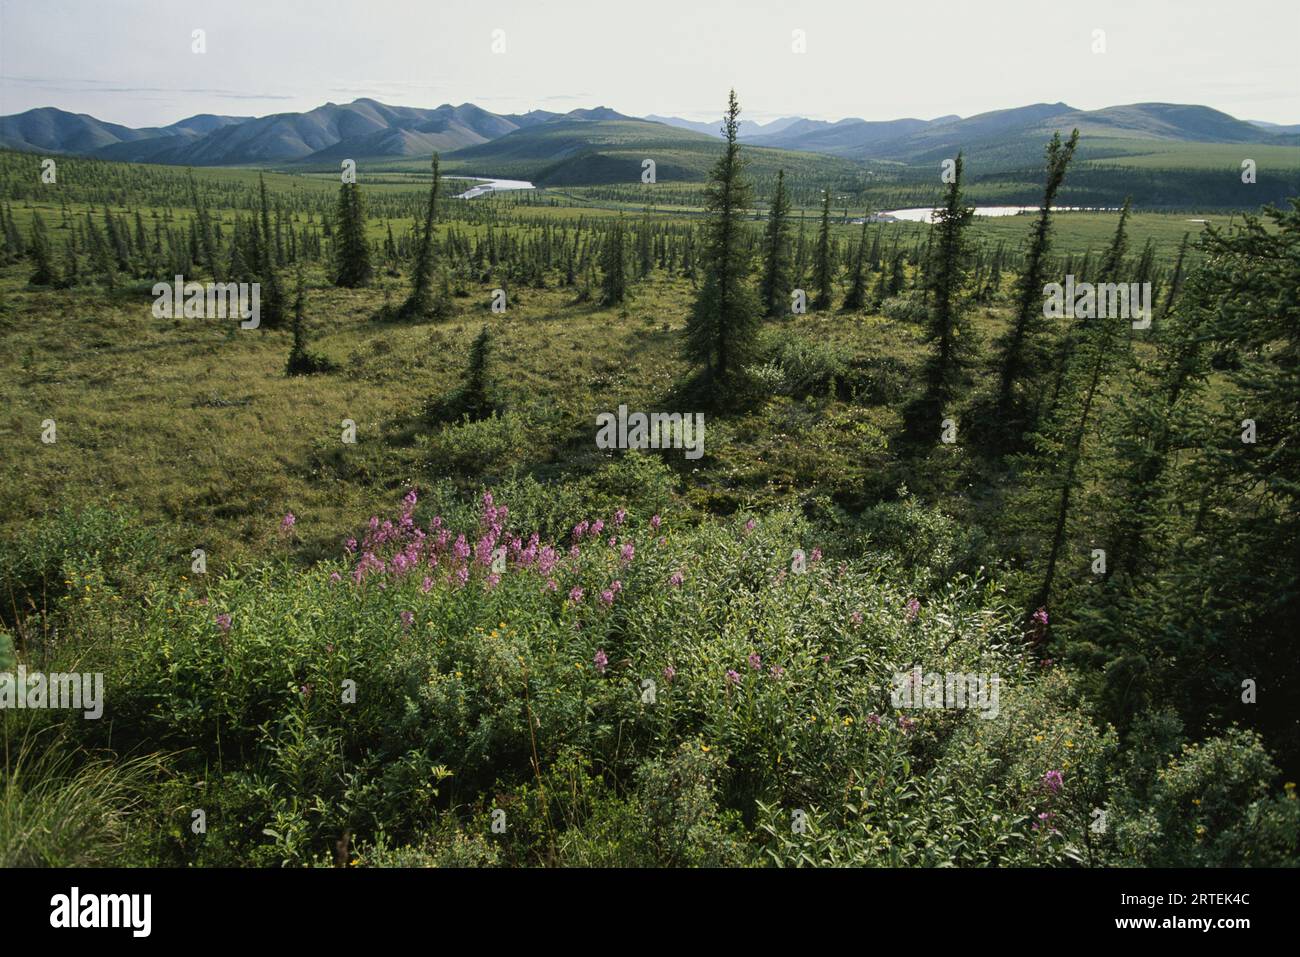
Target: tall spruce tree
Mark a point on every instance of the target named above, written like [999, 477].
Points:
[101, 257]
[430, 292]
[301, 360]
[1022, 351]
[613, 265]
[475, 396]
[857, 294]
[775, 289]
[203, 237]
[1162, 414]
[39, 250]
[352, 266]
[823, 264]
[272, 296]
[947, 271]
[1111, 265]
[725, 315]
[1061, 442]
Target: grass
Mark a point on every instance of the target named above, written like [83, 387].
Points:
[61, 809]
[194, 420]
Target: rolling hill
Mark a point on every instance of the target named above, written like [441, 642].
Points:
[571, 152]
[362, 128]
[1003, 138]
[748, 129]
[601, 145]
[49, 130]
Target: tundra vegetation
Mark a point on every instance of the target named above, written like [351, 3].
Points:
[366, 591]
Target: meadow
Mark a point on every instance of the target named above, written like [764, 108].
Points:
[461, 634]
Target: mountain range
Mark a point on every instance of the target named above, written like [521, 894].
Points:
[588, 145]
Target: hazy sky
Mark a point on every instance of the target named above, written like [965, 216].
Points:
[130, 61]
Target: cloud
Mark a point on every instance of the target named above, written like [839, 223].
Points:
[63, 85]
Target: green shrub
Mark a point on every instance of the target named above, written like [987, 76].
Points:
[669, 698]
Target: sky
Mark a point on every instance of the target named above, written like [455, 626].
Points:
[133, 62]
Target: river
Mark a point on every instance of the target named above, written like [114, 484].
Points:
[925, 214]
[493, 186]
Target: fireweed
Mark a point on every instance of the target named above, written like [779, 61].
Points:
[786, 697]
[391, 550]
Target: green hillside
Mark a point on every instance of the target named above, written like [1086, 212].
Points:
[578, 152]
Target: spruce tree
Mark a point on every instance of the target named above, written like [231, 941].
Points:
[725, 315]
[775, 289]
[946, 274]
[272, 297]
[823, 267]
[39, 250]
[101, 257]
[1111, 265]
[645, 261]
[898, 274]
[1162, 413]
[352, 267]
[1022, 351]
[613, 265]
[430, 295]
[71, 267]
[301, 361]
[202, 235]
[475, 396]
[857, 295]
[1060, 444]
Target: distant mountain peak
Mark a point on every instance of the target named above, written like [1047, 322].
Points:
[596, 113]
[369, 128]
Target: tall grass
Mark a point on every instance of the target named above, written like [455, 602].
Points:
[60, 807]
